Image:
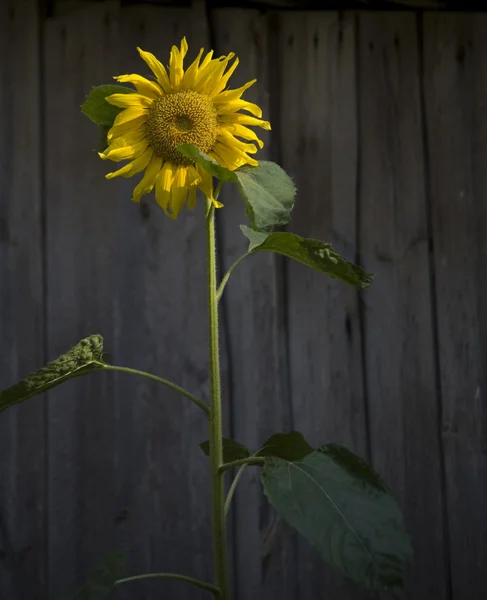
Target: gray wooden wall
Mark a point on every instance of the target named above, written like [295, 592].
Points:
[381, 118]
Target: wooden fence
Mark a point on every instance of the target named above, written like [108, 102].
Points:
[381, 118]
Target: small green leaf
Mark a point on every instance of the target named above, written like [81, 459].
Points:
[102, 581]
[80, 360]
[267, 190]
[288, 446]
[96, 108]
[232, 450]
[340, 505]
[312, 253]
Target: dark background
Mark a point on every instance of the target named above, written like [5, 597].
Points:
[381, 118]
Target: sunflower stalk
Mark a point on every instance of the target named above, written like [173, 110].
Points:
[220, 557]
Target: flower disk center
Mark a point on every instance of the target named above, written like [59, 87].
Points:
[181, 118]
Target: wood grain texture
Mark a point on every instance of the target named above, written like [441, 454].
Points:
[81, 207]
[399, 343]
[160, 315]
[319, 149]
[264, 546]
[22, 428]
[456, 98]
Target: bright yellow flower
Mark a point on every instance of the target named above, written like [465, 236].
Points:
[181, 107]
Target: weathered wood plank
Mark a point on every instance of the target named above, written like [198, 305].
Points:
[455, 76]
[22, 429]
[399, 342]
[319, 149]
[264, 547]
[161, 326]
[81, 208]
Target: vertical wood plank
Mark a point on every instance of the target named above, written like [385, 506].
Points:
[264, 545]
[22, 429]
[319, 149]
[81, 208]
[399, 344]
[161, 326]
[455, 78]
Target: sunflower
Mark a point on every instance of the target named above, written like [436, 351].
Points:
[181, 107]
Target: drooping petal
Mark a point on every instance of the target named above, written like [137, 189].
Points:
[147, 182]
[129, 100]
[178, 200]
[192, 176]
[157, 68]
[163, 196]
[227, 138]
[129, 114]
[192, 198]
[128, 152]
[243, 132]
[243, 120]
[136, 166]
[130, 126]
[167, 176]
[235, 105]
[230, 156]
[206, 186]
[142, 85]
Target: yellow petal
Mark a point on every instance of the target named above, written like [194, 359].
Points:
[209, 78]
[129, 114]
[230, 107]
[224, 79]
[129, 138]
[163, 196]
[124, 152]
[167, 176]
[243, 120]
[192, 176]
[206, 185]
[129, 100]
[243, 132]
[178, 199]
[192, 198]
[142, 85]
[157, 68]
[130, 126]
[232, 95]
[227, 138]
[231, 157]
[148, 181]
[191, 72]
[176, 60]
[136, 166]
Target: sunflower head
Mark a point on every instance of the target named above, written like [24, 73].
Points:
[181, 107]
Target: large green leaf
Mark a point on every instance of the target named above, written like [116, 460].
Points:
[289, 446]
[80, 360]
[232, 450]
[312, 253]
[102, 581]
[96, 108]
[267, 190]
[342, 507]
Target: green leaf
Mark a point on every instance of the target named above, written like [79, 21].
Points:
[269, 195]
[312, 253]
[232, 450]
[340, 505]
[102, 581]
[267, 190]
[80, 360]
[288, 446]
[96, 108]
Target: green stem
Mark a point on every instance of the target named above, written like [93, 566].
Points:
[215, 424]
[233, 487]
[165, 382]
[201, 584]
[224, 281]
[257, 461]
